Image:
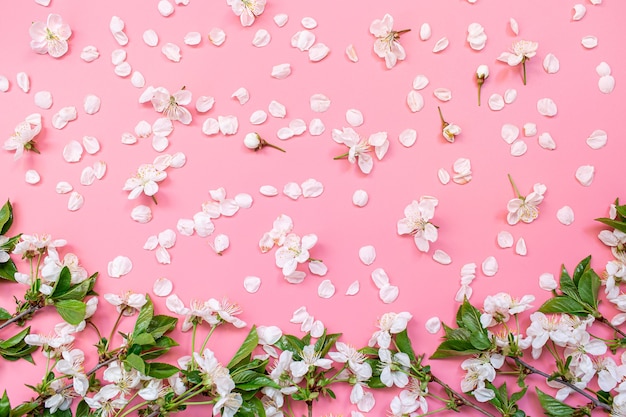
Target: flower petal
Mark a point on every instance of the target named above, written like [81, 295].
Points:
[326, 289]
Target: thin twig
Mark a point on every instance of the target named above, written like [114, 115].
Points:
[460, 397]
[20, 316]
[607, 322]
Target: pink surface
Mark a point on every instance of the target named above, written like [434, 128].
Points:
[469, 216]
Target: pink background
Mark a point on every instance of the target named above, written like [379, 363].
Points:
[469, 216]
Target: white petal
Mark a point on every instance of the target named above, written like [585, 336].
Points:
[75, 202]
[415, 101]
[510, 95]
[292, 190]
[4, 84]
[441, 45]
[203, 224]
[91, 104]
[606, 84]
[32, 177]
[509, 133]
[496, 102]
[281, 71]
[408, 137]
[296, 278]
[308, 23]
[546, 141]
[268, 190]
[380, 278]
[123, 70]
[547, 282]
[442, 257]
[389, 293]
[579, 11]
[353, 289]
[530, 129]
[551, 64]
[73, 151]
[318, 52]
[150, 37]
[584, 175]
[119, 266]
[165, 8]
[192, 38]
[151, 243]
[63, 187]
[565, 215]
[171, 52]
[514, 26]
[443, 175]
[89, 53]
[162, 287]
[277, 109]
[162, 256]
[490, 266]
[221, 243]
[546, 107]
[316, 127]
[141, 214]
[351, 53]
[178, 160]
[303, 40]
[87, 176]
[243, 200]
[252, 284]
[317, 329]
[284, 133]
[143, 129]
[242, 95]
[462, 166]
[520, 247]
[118, 56]
[167, 238]
[217, 36]
[298, 126]
[261, 38]
[597, 139]
[360, 198]
[281, 19]
[312, 188]
[184, 226]
[319, 103]
[137, 79]
[595, 2]
[318, 268]
[420, 82]
[468, 269]
[367, 254]
[91, 144]
[518, 148]
[228, 124]
[326, 289]
[505, 239]
[589, 42]
[204, 103]
[603, 69]
[23, 82]
[425, 31]
[43, 99]
[443, 94]
[258, 117]
[128, 138]
[433, 325]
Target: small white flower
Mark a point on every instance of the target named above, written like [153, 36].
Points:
[449, 130]
[127, 303]
[171, 105]
[386, 44]
[23, 138]
[389, 323]
[50, 37]
[145, 181]
[247, 10]
[525, 208]
[417, 222]
[360, 147]
[521, 51]
[294, 251]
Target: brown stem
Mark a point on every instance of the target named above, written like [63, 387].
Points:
[607, 322]
[459, 397]
[20, 316]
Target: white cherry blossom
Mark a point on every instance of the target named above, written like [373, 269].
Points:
[525, 208]
[360, 147]
[417, 222]
[386, 45]
[50, 37]
[294, 251]
[247, 10]
[171, 105]
[145, 181]
[521, 51]
[23, 137]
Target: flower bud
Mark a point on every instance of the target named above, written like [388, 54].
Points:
[252, 141]
[482, 72]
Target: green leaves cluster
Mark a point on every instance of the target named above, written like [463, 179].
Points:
[7, 269]
[619, 222]
[68, 298]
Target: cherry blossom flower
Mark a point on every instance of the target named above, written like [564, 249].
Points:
[386, 44]
[197, 312]
[295, 250]
[72, 365]
[30, 246]
[247, 10]
[449, 130]
[105, 404]
[217, 374]
[171, 105]
[310, 358]
[52, 267]
[389, 323]
[355, 360]
[145, 181]
[281, 227]
[255, 142]
[220, 205]
[23, 138]
[360, 147]
[525, 208]
[128, 303]
[417, 222]
[521, 51]
[229, 404]
[482, 72]
[226, 311]
[50, 37]
[394, 368]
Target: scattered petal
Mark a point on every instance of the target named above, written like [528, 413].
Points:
[490, 266]
[565, 215]
[443, 175]
[163, 256]
[579, 11]
[606, 84]
[91, 104]
[510, 95]
[603, 69]
[268, 190]
[303, 40]
[415, 101]
[167, 238]
[185, 227]
[87, 176]
[23, 82]
[298, 126]
[119, 266]
[221, 243]
[32, 177]
[589, 42]
[597, 139]
[420, 82]
[252, 284]
[141, 214]
[204, 103]
[73, 151]
[546, 141]
[277, 109]
[518, 148]
[318, 52]
[171, 52]
[162, 287]
[514, 26]
[389, 294]
[150, 37]
[319, 103]
[241, 95]
[380, 278]
[228, 124]
[441, 45]
[89, 53]
[137, 79]
[312, 188]
[547, 282]
[585, 174]
[408, 137]
[63, 187]
[326, 289]
[116, 25]
[165, 8]
[367, 254]
[284, 133]
[217, 36]
[292, 190]
[442, 257]
[551, 64]
[123, 70]
[505, 239]
[316, 127]
[118, 56]
[433, 325]
[425, 32]
[443, 94]
[178, 160]
[354, 117]
[509, 133]
[258, 117]
[496, 102]
[353, 289]
[160, 143]
[360, 198]
[520, 247]
[192, 38]
[91, 144]
[530, 129]
[243, 200]
[281, 71]
[308, 23]
[546, 107]
[261, 38]
[128, 138]
[281, 19]
[75, 202]
[351, 53]
[43, 99]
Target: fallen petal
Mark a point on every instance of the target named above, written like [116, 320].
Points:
[509, 133]
[579, 11]
[514, 26]
[258, 117]
[128, 138]
[281, 19]
[243, 200]
[165, 8]
[318, 52]
[510, 95]
[298, 126]
[284, 133]
[603, 69]
[123, 70]
[221, 243]
[530, 129]
[228, 124]
[462, 166]
[63, 187]
[32, 177]
[162, 256]
[353, 289]
[73, 151]
[551, 64]
[546, 107]
[171, 52]
[281, 71]
[442, 257]
[441, 45]
[443, 94]
[261, 38]
[316, 127]
[420, 82]
[584, 175]
[546, 141]
[565, 215]
[367, 254]
[303, 40]
[425, 32]
[351, 53]
[606, 84]
[217, 36]
[312, 188]
[443, 175]
[319, 103]
[141, 214]
[43, 99]
[433, 325]
[87, 176]
[520, 247]
[547, 282]
[518, 148]
[408, 137]
[597, 139]
[89, 53]
[167, 238]
[380, 278]
[75, 202]
[241, 95]
[119, 266]
[360, 198]
[91, 104]
[292, 190]
[415, 101]
[252, 284]
[268, 190]
[192, 38]
[308, 23]
[162, 287]
[354, 117]
[326, 289]
[490, 266]
[589, 42]
[118, 56]
[23, 82]
[204, 103]
[150, 37]
[389, 293]
[505, 239]
[496, 102]
[277, 109]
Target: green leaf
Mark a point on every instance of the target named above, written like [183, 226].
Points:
[162, 346]
[456, 334]
[78, 291]
[480, 341]
[256, 383]
[621, 226]
[5, 405]
[470, 316]
[329, 342]
[567, 286]
[63, 284]
[581, 268]
[4, 315]
[161, 324]
[563, 304]
[404, 344]
[83, 409]
[15, 340]
[6, 217]
[24, 408]
[8, 270]
[160, 370]
[245, 350]
[290, 343]
[135, 362]
[72, 311]
[604, 397]
[554, 407]
[144, 339]
[375, 382]
[454, 348]
[588, 286]
[144, 318]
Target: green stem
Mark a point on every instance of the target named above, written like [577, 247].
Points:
[133, 408]
[208, 336]
[117, 323]
[430, 413]
[517, 193]
[343, 155]
[309, 406]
